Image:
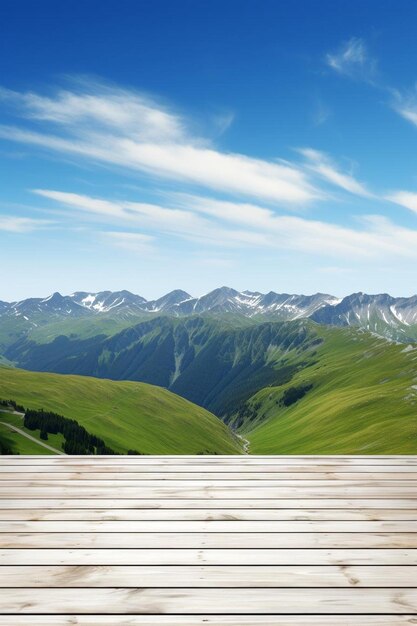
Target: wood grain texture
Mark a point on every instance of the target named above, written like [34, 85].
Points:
[193, 556]
[166, 471]
[211, 620]
[223, 477]
[207, 515]
[208, 540]
[167, 541]
[185, 601]
[212, 526]
[233, 576]
[272, 504]
[367, 492]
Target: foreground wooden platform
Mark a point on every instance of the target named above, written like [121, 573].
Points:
[208, 540]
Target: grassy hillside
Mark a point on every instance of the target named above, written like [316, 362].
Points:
[289, 387]
[20, 444]
[125, 414]
[362, 400]
[204, 360]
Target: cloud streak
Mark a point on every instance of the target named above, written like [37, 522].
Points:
[13, 224]
[322, 165]
[353, 59]
[162, 220]
[120, 127]
[406, 106]
[205, 220]
[407, 199]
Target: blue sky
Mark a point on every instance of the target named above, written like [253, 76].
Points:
[157, 145]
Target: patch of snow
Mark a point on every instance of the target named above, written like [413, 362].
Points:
[88, 300]
[384, 316]
[398, 315]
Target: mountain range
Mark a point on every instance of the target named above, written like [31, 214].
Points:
[289, 373]
[389, 317]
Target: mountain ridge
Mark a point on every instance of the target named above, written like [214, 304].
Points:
[387, 316]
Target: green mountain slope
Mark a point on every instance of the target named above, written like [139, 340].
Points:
[205, 360]
[126, 415]
[289, 387]
[361, 398]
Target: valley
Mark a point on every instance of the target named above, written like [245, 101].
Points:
[309, 384]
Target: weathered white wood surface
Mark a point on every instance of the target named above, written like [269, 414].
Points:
[216, 576]
[208, 540]
[168, 541]
[211, 620]
[153, 600]
[213, 504]
[203, 556]
[225, 515]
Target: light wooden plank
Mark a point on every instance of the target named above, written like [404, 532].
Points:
[211, 620]
[189, 601]
[207, 476]
[65, 514]
[230, 526]
[217, 493]
[376, 504]
[211, 483]
[168, 470]
[208, 540]
[217, 576]
[197, 556]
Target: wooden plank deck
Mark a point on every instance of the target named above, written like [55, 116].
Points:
[294, 541]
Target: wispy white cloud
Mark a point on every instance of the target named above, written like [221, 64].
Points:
[119, 127]
[325, 167]
[405, 104]
[13, 224]
[104, 107]
[353, 59]
[163, 220]
[206, 220]
[376, 238]
[248, 215]
[122, 128]
[406, 199]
